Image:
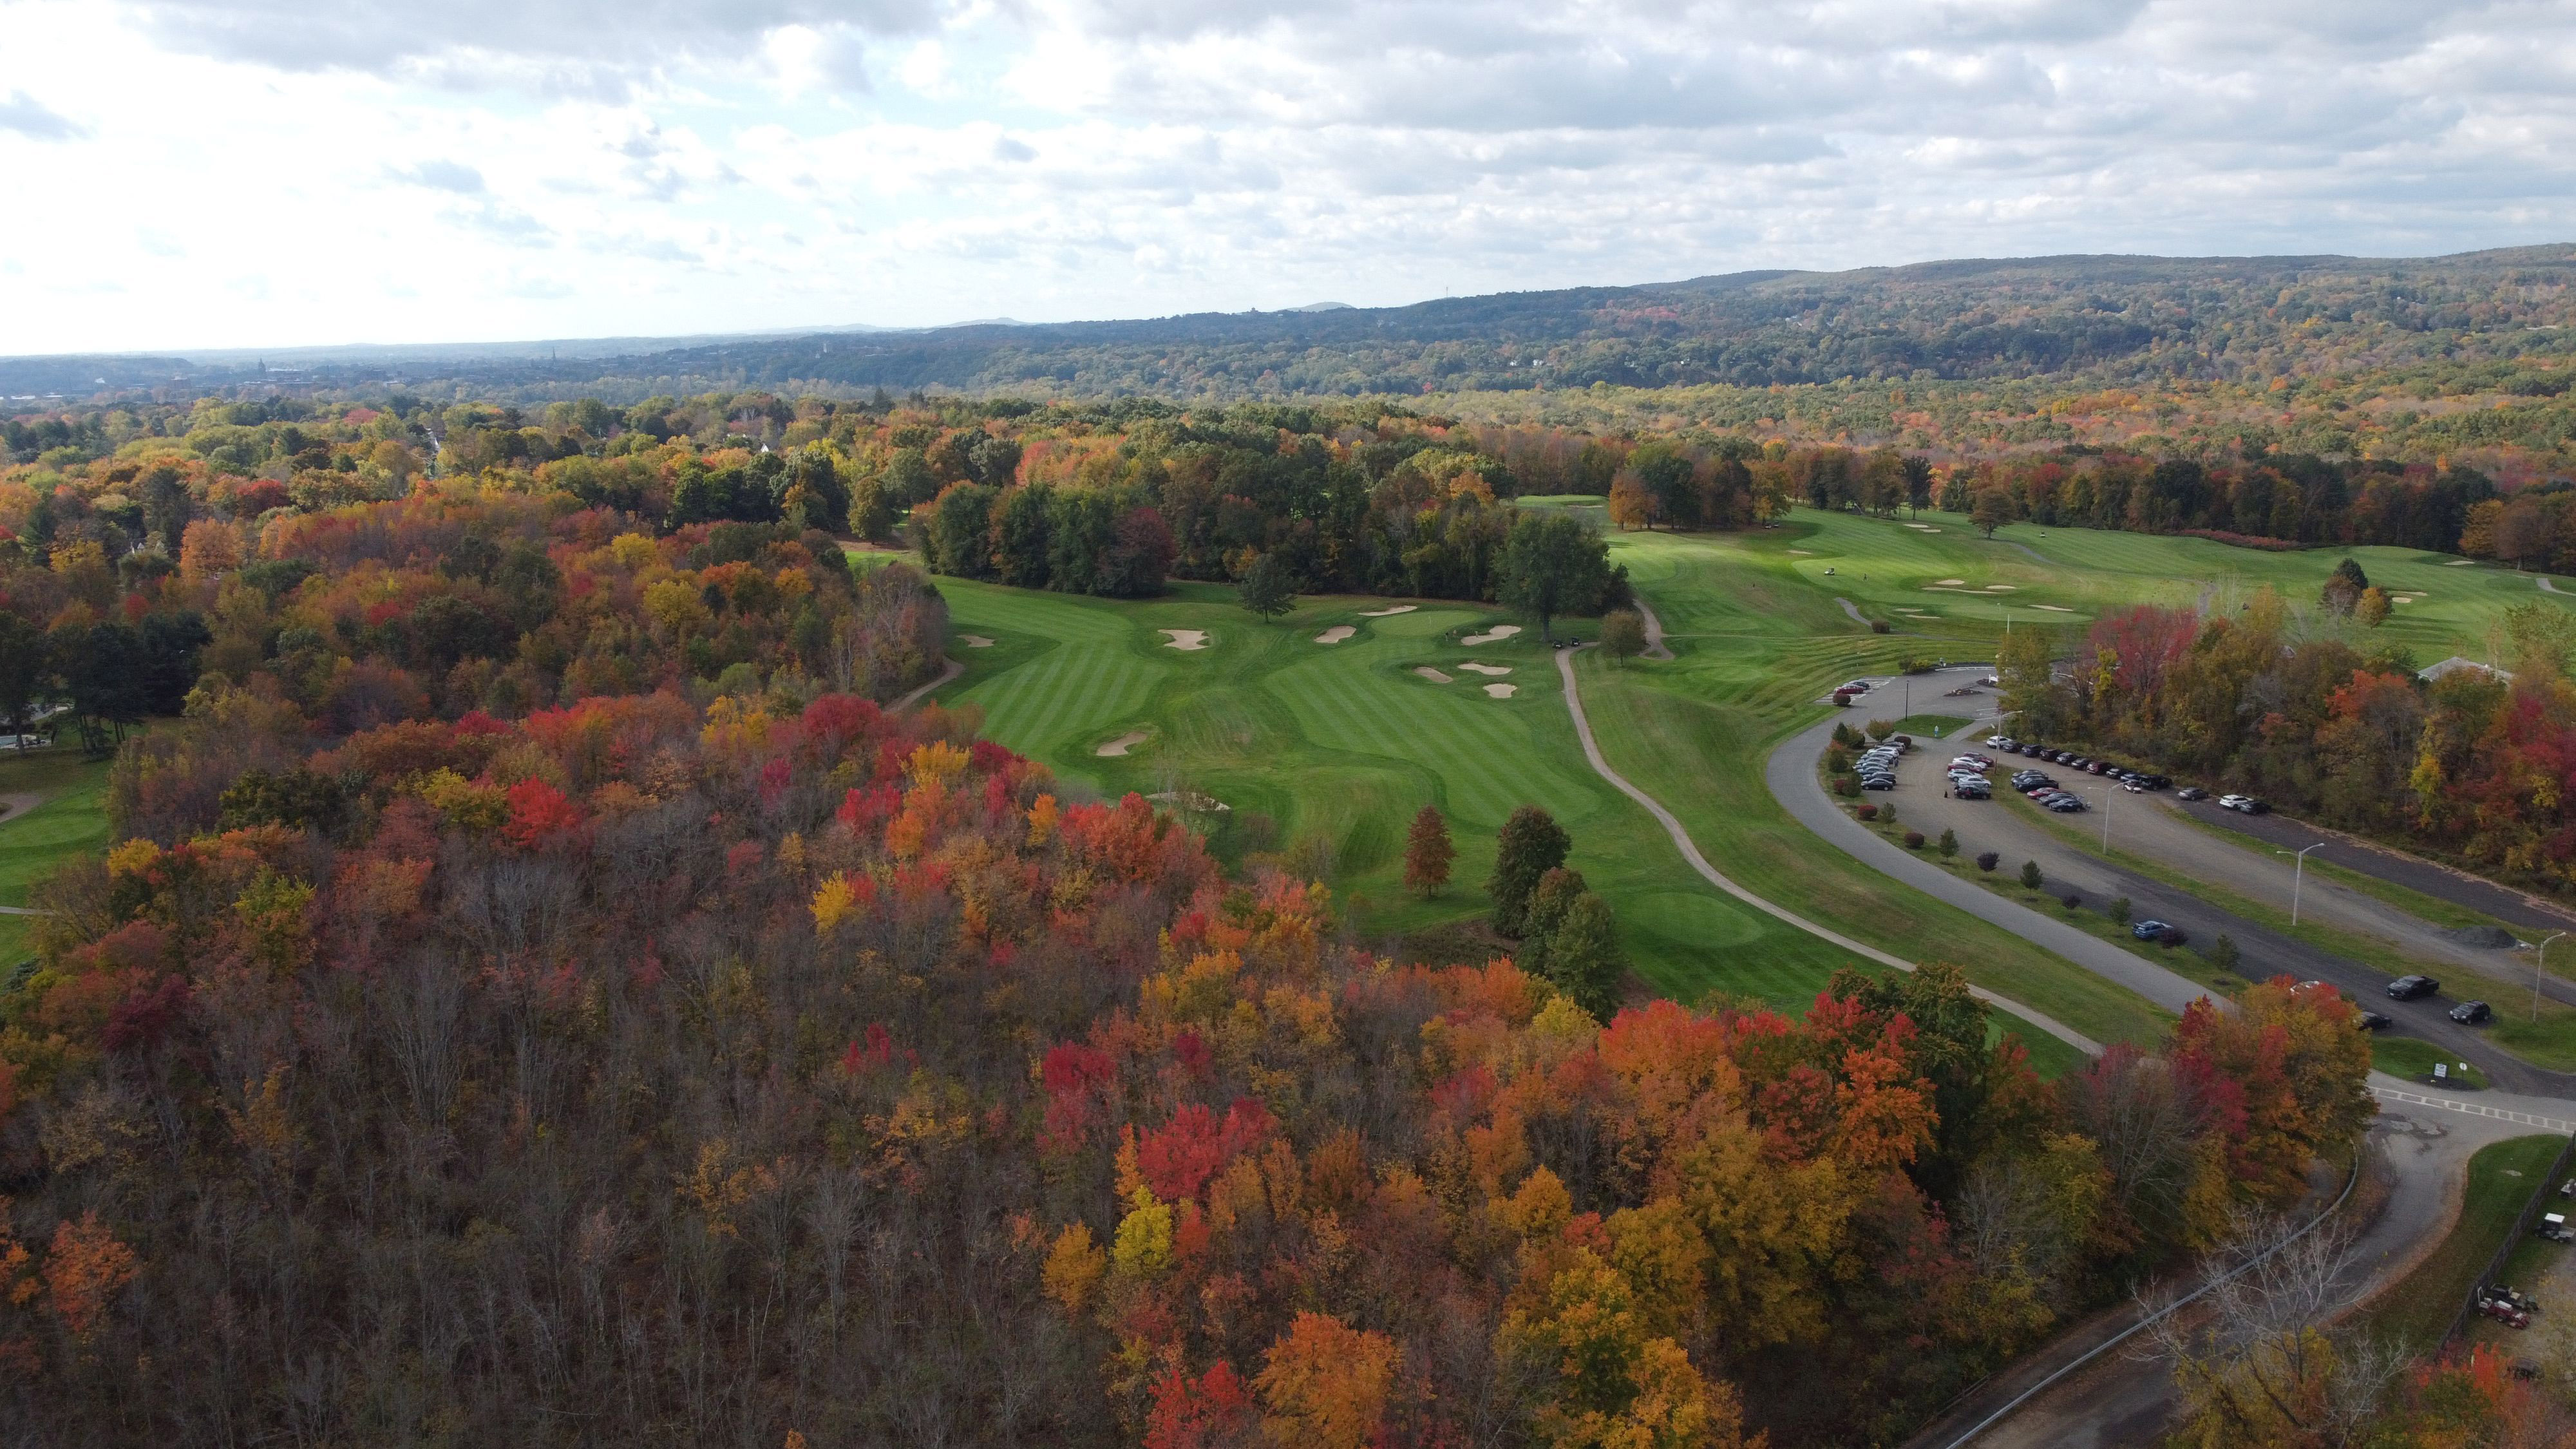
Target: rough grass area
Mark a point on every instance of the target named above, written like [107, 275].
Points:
[2406, 1056]
[2418, 1309]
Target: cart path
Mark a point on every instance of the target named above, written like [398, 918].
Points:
[1654, 632]
[915, 697]
[1852, 609]
[1698, 862]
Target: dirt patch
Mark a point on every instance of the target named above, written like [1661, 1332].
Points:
[1495, 635]
[1335, 634]
[1387, 613]
[1186, 639]
[1502, 691]
[975, 641]
[1122, 744]
[1434, 675]
[1475, 668]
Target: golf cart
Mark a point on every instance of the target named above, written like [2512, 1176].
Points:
[2553, 1226]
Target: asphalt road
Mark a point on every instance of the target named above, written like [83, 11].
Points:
[2014, 829]
[2527, 913]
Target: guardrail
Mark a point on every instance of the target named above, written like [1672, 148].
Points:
[2531, 1211]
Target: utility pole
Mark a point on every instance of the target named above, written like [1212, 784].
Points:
[2538, 960]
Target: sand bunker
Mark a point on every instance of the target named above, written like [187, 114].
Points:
[1501, 691]
[1383, 613]
[1335, 634]
[1187, 638]
[2459, 563]
[1495, 635]
[1802, 550]
[1122, 744]
[1951, 583]
[1999, 588]
[976, 641]
[1486, 668]
[1189, 800]
[1923, 527]
[1434, 675]
[2052, 608]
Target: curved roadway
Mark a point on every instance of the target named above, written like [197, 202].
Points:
[1690, 852]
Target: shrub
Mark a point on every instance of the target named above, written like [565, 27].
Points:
[1837, 759]
[2172, 936]
[1846, 784]
[1869, 812]
[1949, 843]
[1986, 860]
[1914, 840]
[2120, 910]
[1880, 729]
[2223, 953]
[2072, 902]
[1846, 736]
[2030, 876]
[1887, 812]
[1878, 626]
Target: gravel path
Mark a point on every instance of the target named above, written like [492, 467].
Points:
[915, 697]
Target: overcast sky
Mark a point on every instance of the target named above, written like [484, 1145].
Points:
[199, 173]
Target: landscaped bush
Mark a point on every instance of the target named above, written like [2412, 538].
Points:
[1914, 840]
[1878, 626]
[2172, 936]
[2072, 902]
[1986, 860]
[1949, 843]
[2030, 876]
[1868, 812]
[1846, 784]
[2120, 910]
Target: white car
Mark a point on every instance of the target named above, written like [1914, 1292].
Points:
[1999, 742]
[2231, 802]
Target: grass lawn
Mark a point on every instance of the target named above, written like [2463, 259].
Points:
[1335, 746]
[2501, 1179]
[2404, 1056]
[72, 820]
[1953, 578]
[1757, 645]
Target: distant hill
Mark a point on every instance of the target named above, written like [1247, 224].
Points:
[2118, 318]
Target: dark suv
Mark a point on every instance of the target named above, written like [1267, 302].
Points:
[2407, 988]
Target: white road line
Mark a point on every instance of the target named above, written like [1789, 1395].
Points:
[2475, 1109]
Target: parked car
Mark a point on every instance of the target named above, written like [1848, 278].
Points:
[2407, 988]
[2034, 752]
[2375, 1020]
[1975, 790]
[2191, 792]
[2248, 805]
[2230, 802]
[2472, 1013]
[1878, 782]
[2068, 805]
[2133, 787]
[1857, 686]
[2149, 930]
[2001, 742]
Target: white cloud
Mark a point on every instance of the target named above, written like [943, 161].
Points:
[393, 168]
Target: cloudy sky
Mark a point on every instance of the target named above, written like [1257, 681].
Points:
[200, 173]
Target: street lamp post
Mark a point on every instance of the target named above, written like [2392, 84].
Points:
[2297, 879]
[2540, 959]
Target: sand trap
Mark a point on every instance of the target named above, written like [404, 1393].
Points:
[1486, 668]
[1999, 588]
[1335, 634]
[1189, 800]
[1501, 691]
[1923, 527]
[1383, 613]
[2459, 563]
[1802, 550]
[976, 641]
[1186, 639]
[1434, 675]
[1950, 583]
[1495, 635]
[2052, 608]
[1122, 744]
